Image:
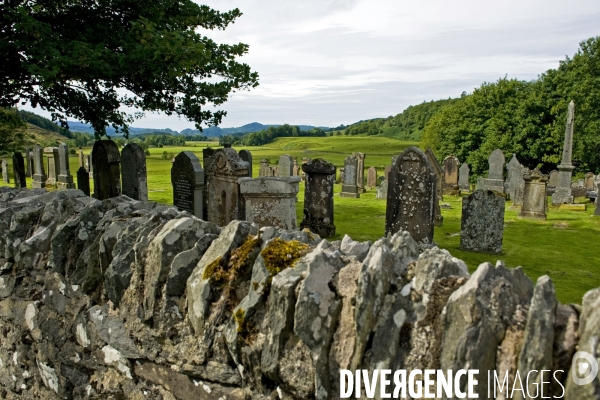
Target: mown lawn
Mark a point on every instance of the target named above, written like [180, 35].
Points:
[565, 247]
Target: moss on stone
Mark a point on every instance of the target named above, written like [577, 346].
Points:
[309, 234]
[239, 318]
[280, 254]
[211, 269]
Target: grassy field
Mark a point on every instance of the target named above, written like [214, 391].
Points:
[565, 247]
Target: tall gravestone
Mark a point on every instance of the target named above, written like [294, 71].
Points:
[106, 162]
[39, 176]
[5, 176]
[285, 166]
[360, 171]
[81, 159]
[495, 179]
[64, 179]
[349, 186]
[386, 172]
[295, 168]
[89, 165]
[133, 173]
[597, 211]
[411, 196]
[30, 165]
[28, 169]
[245, 155]
[19, 170]
[271, 201]
[372, 177]
[513, 170]
[225, 201]
[519, 185]
[318, 197]
[438, 171]
[562, 194]
[382, 190]
[450, 185]
[463, 177]
[83, 180]
[589, 181]
[535, 200]
[187, 178]
[482, 222]
[264, 169]
[53, 164]
[206, 154]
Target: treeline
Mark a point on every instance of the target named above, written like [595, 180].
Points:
[526, 117]
[44, 123]
[268, 135]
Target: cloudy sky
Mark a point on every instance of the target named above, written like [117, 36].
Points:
[328, 62]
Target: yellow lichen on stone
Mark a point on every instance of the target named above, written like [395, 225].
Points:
[239, 256]
[239, 318]
[213, 270]
[309, 233]
[280, 254]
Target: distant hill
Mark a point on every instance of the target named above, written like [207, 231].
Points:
[35, 134]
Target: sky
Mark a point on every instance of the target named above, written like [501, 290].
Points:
[332, 62]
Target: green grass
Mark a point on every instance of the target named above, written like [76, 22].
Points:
[565, 247]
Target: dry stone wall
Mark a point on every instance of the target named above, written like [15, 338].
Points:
[122, 299]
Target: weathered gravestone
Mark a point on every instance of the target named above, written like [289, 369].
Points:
[19, 170]
[133, 173]
[83, 180]
[535, 200]
[495, 179]
[597, 211]
[64, 179]
[53, 164]
[30, 166]
[438, 171]
[318, 197]
[5, 177]
[81, 159]
[206, 154]
[553, 179]
[386, 173]
[519, 185]
[187, 178]
[372, 177]
[480, 183]
[589, 181]
[563, 194]
[382, 191]
[295, 168]
[304, 161]
[360, 171]
[349, 186]
[28, 169]
[39, 176]
[271, 201]
[463, 177]
[264, 169]
[245, 155]
[411, 196]
[512, 171]
[225, 202]
[106, 162]
[482, 222]
[450, 185]
[285, 166]
[89, 165]
[341, 180]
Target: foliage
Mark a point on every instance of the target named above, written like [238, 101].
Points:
[526, 118]
[271, 133]
[280, 254]
[87, 59]
[44, 123]
[12, 131]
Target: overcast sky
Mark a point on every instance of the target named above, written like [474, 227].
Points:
[330, 62]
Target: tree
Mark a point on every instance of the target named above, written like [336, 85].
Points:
[12, 131]
[86, 59]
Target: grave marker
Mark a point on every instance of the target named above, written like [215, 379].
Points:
[563, 194]
[19, 170]
[106, 162]
[271, 201]
[318, 197]
[187, 178]
[5, 177]
[495, 179]
[482, 222]
[360, 171]
[83, 180]
[64, 179]
[245, 155]
[53, 164]
[372, 177]
[133, 174]
[285, 166]
[39, 177]
[450, 185]
[463, 177]
[535, 200]
[349, 186]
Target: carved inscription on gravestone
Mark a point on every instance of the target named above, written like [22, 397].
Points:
[187, 178]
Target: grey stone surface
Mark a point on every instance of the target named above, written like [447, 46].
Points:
[64, 179]
[187, 178]
[318, 197]
[360, 171]
[589, 182]
[28, 163]
[463, 177]
[372, 177]
[133, 174]
[519, 184]
[52, 164]
[246, 155]
[535, 199]
[271, 201]
[553, 179]
[18, 164]
[451, 164]
[39, 175]
[597, 211]
[411, 196]
[482, 222]
[5, 176]
[382, 191]
[386, 172]
[495, 179]
[439, 184]
[106, 162]
[513, 173]
[354, 248]
[285, 166]
[350, 177]
[562, 194]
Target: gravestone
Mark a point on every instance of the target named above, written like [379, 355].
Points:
[482, 222]
[463, 177]
[89, 166]
[83, 180]
[513, 170]
[64, 179]
[480, 183]
[19, 170]
[5, 177]
[81, 159]
[535, 200]
[304, 161]
[39, 176]
[438, 171]
[318, 197]
[263, 169]
[519, 184]
[295, 168]
[372, 177]
[360, 171]
[106, 162]
[382, 191]
[386, 172]
[53, 164]
[597, 211]
[553, 179]
[589, 181]
[133, 172]
[341, 175]
[30, 166]
[411, 196]
[450, 185]
[187, 178]
[206, 154]
[271, 201]
[225, 202]
[349, 186]
[28, 169]
[562, 193]
[285, 166]
[495, 179]
[245, 155]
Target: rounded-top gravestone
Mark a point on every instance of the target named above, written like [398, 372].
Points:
[106, 168]
[134, 178]
[19, 170]
[187, 178]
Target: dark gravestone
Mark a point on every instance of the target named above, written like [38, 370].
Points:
[83, 180]
[438, 171]
[535, 198]
[518, 184]
[245, 155]
[349, 186]
[411, 196]
[482, 222]
[187, 178]
[286, 165]
[225, 201]
[386, 173]
[133, 172]
[64, 180]
[5, 177]
[463, 177]
[318, 197]
[206, 154]
[39, 175]
[106, 162]
[360, 171]
[19, 170]
[28, 169]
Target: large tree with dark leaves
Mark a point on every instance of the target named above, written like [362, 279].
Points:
[93, 59]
